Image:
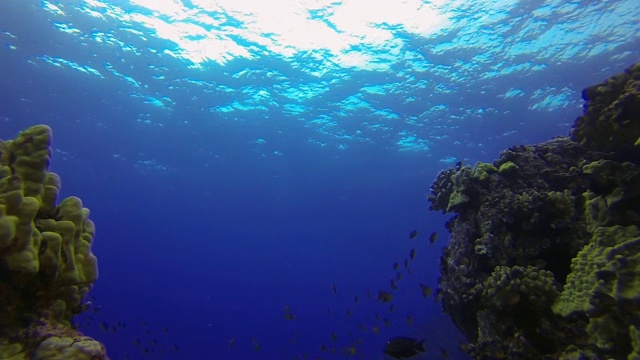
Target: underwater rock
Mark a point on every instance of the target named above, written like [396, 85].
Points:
[46, 264]
[544, 253]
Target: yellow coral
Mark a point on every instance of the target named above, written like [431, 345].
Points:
[32, 157]
[47, 246]
[634, 333]
[605, 275]
[64, 348]
[507, 285]
[8, 226]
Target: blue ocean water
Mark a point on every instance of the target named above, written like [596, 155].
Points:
[243, 159]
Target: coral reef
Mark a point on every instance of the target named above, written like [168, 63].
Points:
[46, 264]
[544, 254]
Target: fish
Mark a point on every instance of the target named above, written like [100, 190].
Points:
[393, 286]
[412, 254]
[426, 291]
[444, 352]
[413, 234]
[400, 347]
[409, 320]
[355, 298]
[398, 276]
[396, 266]
[438, 295]
[458, 165]
[287, 314]
[350, 350]
[335, 289]
[385, 296]
[433, 237]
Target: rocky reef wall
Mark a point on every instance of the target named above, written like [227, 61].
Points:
[544, 254]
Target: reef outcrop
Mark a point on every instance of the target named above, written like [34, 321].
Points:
[543, 260]
[46, 264]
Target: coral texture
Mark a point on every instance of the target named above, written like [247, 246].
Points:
[544, 254]
[46, 264]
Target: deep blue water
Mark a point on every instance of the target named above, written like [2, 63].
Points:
[233, 169]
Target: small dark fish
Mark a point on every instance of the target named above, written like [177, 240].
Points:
[350, 350]
[433, 237]
[396, 266]
[412, 254]
[409, 320]
[398, 276]
[403, 347]
[335, 289]
[355, 298]
[413, 234]
[385, 296]
[437, 295]
[393, 286]
[232, 342]
[349, 312]
[406, 263]
[392, 307]
[444, 352]
[426, 291]
[458, 165]
[287, 314]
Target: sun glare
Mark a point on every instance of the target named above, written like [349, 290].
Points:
[348, 31]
